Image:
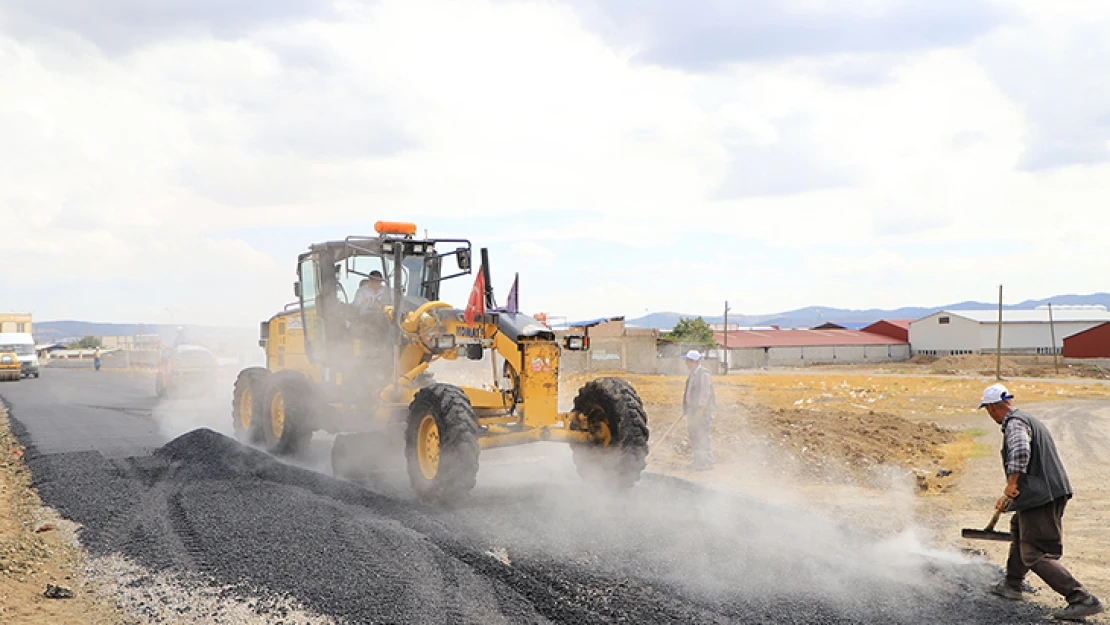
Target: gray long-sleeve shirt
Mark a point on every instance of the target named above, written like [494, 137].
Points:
[699, 391]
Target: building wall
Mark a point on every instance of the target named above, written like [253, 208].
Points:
[964, 336]
[634, 354]
[612, 328]
[1029, 338]
[1094, 343]
[959, 335]
[757, 357]
[16, 322]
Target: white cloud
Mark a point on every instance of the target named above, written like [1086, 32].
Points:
[129, 175]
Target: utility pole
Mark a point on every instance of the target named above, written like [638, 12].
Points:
[1052, 331]
[998, 349]
[724, 359]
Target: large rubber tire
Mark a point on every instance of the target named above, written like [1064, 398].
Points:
[441, 444]
[617, 453]
[246, 403]
[288, 413]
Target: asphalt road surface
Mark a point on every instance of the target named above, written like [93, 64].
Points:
[532, 545]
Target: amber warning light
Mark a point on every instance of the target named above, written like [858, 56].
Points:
[394, 227]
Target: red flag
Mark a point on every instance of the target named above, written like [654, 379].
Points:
[476, 305]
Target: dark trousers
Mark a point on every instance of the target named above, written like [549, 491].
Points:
[1037, 546]
[698, 429]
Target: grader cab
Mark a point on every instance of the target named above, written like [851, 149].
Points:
[338, 364]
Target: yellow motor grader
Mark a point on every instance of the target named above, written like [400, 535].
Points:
[338, 365]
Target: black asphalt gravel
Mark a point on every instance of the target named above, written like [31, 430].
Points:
[531, 551]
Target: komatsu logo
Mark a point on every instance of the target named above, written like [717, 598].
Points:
[477, 332]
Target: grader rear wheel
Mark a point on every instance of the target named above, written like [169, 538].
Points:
[288, 413]
[246, 403]
[617, 451]
[441, 444]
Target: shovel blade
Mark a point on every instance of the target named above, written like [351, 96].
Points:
[1004, 537]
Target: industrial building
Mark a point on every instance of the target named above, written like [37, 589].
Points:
[797, 348]
[954, 332]
[894, 328]
[1092, 343]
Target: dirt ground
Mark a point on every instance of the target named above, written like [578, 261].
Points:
[892, 452]
[888, 450]
[1082, 433]
[38, 548]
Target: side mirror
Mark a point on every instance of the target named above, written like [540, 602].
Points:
[297, 290]
[462, 257]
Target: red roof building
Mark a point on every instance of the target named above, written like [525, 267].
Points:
[894, 328]
[1091, 343]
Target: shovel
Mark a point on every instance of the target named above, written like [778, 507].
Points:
[988, 532]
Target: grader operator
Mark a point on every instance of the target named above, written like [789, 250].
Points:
[363, 374]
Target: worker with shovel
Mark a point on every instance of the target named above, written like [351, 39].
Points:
[698, 401]
[1037, 491]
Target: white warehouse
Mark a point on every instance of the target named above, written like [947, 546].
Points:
[1023, 331]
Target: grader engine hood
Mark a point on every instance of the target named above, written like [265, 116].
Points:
[517, 326]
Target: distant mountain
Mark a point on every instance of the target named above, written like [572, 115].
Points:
[811, 316]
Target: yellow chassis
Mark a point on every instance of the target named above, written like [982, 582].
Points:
[534, 419]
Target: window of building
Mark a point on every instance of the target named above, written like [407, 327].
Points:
[943, 320]
[20, 327]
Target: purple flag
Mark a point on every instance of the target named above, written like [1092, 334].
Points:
[511, 305]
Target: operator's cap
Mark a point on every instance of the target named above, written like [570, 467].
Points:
[994, 394]
[376, 275]
[692, 355]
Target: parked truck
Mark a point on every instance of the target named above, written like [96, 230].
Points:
[23, 346]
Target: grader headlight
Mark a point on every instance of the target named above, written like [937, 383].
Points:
[576, 343]
[443, 343]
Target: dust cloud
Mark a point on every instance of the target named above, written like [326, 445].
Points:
[756, 530]
[762, 527]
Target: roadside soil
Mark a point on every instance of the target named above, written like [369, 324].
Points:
[892, 453]
[37, 547]
[1082, 433]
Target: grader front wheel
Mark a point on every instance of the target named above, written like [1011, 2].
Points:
[441, 444]
[617, 451]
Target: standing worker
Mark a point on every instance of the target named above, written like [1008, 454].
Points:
[1037, 491]
[698, 402]
[96, 359]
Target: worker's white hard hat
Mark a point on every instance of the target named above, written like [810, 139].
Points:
[693, 354]
[994, 394]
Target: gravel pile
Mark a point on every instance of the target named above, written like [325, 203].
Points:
[233, 518]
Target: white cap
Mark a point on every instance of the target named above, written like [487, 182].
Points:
[693, 354]
[994, 394]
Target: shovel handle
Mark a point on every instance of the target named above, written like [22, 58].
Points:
[997, 513]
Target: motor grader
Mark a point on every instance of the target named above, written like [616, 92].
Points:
[335, 366]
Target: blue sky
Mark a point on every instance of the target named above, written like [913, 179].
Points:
[169, 160]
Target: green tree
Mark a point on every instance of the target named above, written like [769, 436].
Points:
[88, 342]
[691, 330]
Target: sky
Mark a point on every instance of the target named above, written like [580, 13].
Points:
[165, 162]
